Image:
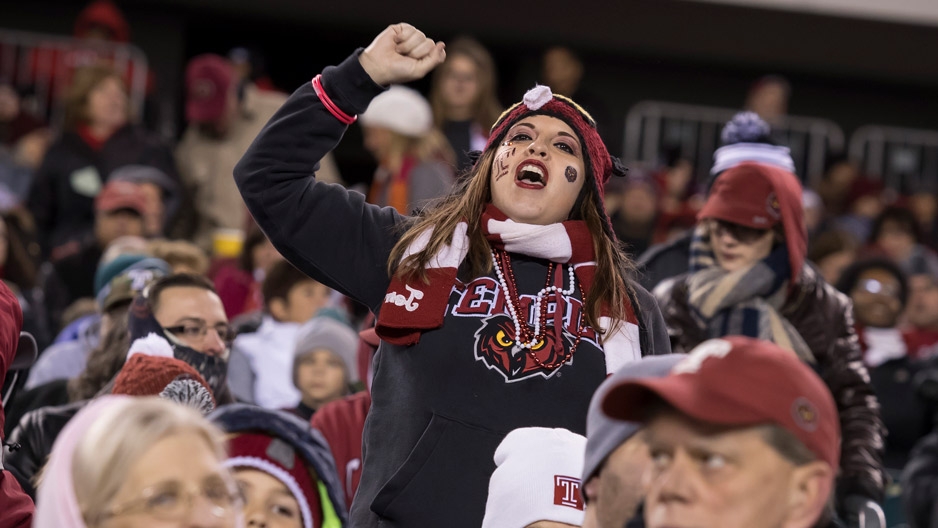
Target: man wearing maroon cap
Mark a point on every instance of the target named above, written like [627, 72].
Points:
[120, 209]
[741, 433]
[17, 350]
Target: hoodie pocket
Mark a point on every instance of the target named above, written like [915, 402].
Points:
[444, 479]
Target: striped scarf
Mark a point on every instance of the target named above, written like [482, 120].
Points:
[410, 309]
[743, 302]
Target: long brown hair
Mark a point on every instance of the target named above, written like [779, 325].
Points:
[467, 202]
[486, 108]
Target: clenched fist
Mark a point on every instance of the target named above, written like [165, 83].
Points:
[401, 53]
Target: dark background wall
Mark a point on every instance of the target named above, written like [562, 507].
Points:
[849, 70]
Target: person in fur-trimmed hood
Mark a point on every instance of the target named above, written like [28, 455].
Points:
[749, 277]
[484, 302]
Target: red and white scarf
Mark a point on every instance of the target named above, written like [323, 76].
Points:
[410, 309]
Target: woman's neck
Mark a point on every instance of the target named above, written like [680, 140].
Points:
[459, 113]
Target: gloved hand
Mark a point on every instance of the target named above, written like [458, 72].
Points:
[860, 512]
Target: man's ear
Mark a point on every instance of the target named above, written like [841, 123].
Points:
[809, 491]
[278, 308]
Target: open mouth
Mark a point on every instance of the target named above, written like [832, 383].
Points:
[531, 175]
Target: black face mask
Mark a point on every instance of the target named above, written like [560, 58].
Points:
[142, 323]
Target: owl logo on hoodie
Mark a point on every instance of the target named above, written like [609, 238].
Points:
[496, 346]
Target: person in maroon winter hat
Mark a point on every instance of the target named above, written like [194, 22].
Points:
[749, 277]
[17, 350]
[741, 433]
[503, 305]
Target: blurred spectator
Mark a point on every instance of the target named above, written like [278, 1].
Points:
[342, 422]
[865, 201]
[19, 266]
[182, 256]
[896, 232]
[536, 482]
[616, 455]
[14, 347]
[221, 126]
[678, 200]
[814, 214]
[920, 484]
[119, 212]
[831, 252]
[186, 310]
[261, 361]
[836, 183]
[921, 315]
[250, 69]
[98, 139]
[414, 160]
[160, 192]
[324, 367]
[23, 143]
[632, 205]
[67, 360]
[768, 97]
[924, 205]
[282, 467]
[463, 98]
[879, 292]
[563, 71]
[239, 283]
[121, 452]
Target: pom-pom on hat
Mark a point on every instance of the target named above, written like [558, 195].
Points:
[745, 138]
[399, 109]
[151, 370]
[537, 478]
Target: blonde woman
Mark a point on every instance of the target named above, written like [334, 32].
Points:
[502, 306]
[124, 462]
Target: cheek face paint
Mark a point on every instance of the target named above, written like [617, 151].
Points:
[570, 174]
[501, 165]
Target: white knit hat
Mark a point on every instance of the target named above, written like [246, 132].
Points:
[399, 109]
[537, 479]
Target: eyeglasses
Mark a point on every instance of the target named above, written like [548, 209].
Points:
[172, 501]
[740, 233]
[198, 330]
[877, 288]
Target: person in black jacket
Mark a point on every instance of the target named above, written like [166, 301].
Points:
[98, 139]
[920, 484]
[484, 306]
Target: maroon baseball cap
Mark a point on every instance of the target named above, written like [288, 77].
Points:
[208, 81]
[739, 381]
[743, 195]
[121, 195]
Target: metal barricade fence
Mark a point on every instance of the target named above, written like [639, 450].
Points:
[43, 65]
[652, 126]
[906, 159]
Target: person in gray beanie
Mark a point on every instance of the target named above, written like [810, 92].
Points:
[324, 367]
[615, 456]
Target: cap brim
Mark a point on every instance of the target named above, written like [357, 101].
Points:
[629, 401]
[26, 352]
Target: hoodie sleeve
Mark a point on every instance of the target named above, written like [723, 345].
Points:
[326, 231]
[652, 328]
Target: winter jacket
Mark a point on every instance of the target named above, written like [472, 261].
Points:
[51, 393]
[309, 445]
[920, 484]
[36, 433]
[72, 174]
[260, 368]
[823, 317]
[663, 261]
[439, 408]
[342, 423]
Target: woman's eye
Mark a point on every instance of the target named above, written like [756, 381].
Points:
[163, 500]
[566, 148]
[521, 136]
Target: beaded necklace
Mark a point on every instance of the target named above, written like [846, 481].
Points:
[526, 337]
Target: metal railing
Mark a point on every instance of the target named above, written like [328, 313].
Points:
[43, 65]
[652, 126]
[906, 159]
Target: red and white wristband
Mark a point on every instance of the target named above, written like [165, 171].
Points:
[330, 106]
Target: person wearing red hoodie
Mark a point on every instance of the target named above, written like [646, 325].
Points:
[748, 277]
[17, 350]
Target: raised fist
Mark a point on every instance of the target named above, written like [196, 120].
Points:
[399, 54]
